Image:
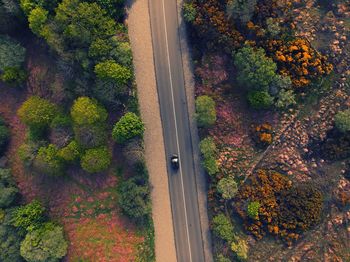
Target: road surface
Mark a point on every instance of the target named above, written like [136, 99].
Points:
[176, 130]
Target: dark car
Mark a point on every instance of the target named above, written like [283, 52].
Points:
[174, 160]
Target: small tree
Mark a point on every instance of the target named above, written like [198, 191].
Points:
[48, 161]
[227, 187]
[12, 54]
[134, 199]
[37, 112]
[87, 111]
[253, 209]
[71, 152]
[207, 147]
[240, 248]
[211, 165]
[128, 126]
[285, 99]
[255, 69]
[13, 76]
[260, 99]
[44, 244]
[96, 160]
[342, 120]
[8, 188]
[222, 227]
[37, 19]
[205, 111]
[29, 217]
[189, 12]
[111, 70]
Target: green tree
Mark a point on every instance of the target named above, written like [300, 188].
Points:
[37, 112]
[207, 147]
[71, 152]
[205, 111]
[87, 111]
[342, 120]
[227, 187]
[44, 244]
[37, 19]
[134, 199]
[128, 126]
[96, 160]
[29, 217]
[48, 161]
[223, 227]
[111, 70]
[260, 99]
[255, 69]
[189, 12]
[242, 10]
[9, 244]
[13, 76]
[253, 209]
[28, 5]
[285, 99]
[12, 54]
[8, 188]
[210, 165]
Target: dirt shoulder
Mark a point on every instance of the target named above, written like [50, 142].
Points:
[141, 42]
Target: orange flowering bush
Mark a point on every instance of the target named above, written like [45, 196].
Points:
[263, 134]
[298, 60]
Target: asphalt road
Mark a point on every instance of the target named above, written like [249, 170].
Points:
[176, 130]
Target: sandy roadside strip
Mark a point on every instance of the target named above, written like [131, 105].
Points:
[141, 43]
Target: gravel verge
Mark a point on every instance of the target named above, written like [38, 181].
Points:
[141, 42]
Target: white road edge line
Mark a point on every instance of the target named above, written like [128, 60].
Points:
[176, 132]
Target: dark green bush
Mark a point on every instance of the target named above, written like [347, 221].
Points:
[13, 76]
[48, 161]
[96, 160]
[260, 99]
[29, 217]
[10, 244]
[223, 227]
[8, 188]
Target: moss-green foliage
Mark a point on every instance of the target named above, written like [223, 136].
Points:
[28, 151]
[205, 111]
[89, 136]
[13, 76]
[96, 160]
[44, 244]
[29, 217]
[222, 258]
[342, 120]
[8, 188]
[87, 111]
[4, 136]
[210, 165]
[134, 199]
[114, 8]
[61, 121]
[71, 152]
[240, 248]
[128, 126]
[9, 244]
[253, 209]
[37, 112]
[189, 12]
[208, 149]
[222, 227]
[48, 161]
[12, 54]
[241, 10]
[37, 19]
[227, 187]
[260, 99]
[285, 99]
[255, 69]
[111, 70]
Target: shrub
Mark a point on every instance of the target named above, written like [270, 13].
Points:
[29, 217]
[13, 76]
[8, 188]
[260, 99]
[44, 244]
[90, 136]
[207, 147]
[28, 151]
[253, 209]
[12, 54]
[211, 165]
[111, 70]
[37, 19]
[86, 111]
[240, 248]
[128, 126]
[227, 187]
[96, 160]
[241, 10]
[4, 137]
[70, 153]
[342, 120]
[189, 12]
[37, 112]
[222, 227]
[134, 199]
[255, 69]
[222, 258]
[10, 244]
[48, 161]
[134, 152]
[205, 111]
[285, 99]
[61, 121]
